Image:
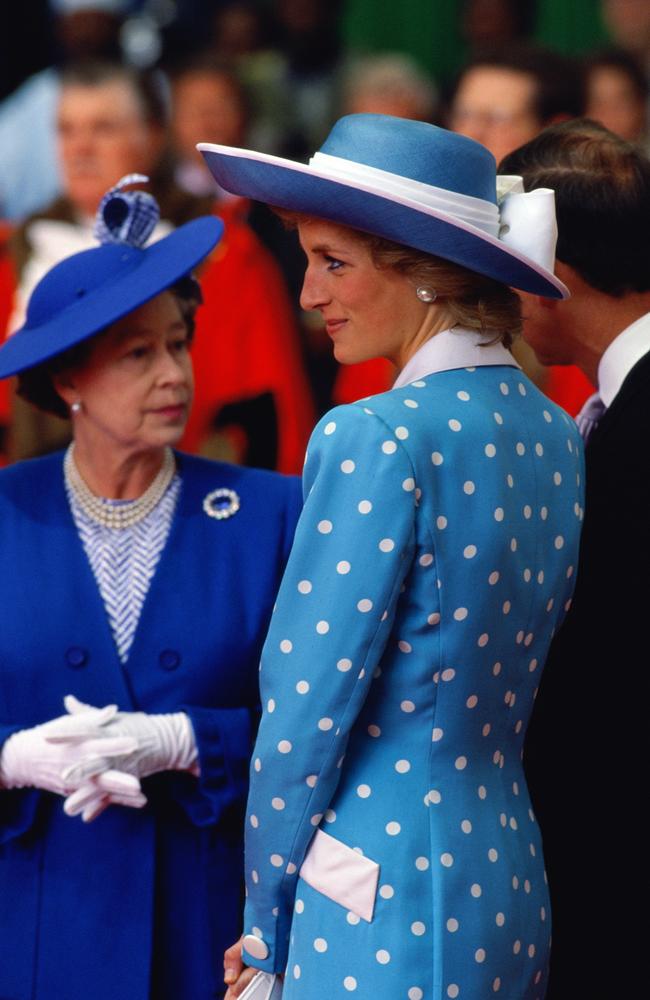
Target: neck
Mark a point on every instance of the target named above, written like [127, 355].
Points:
[590, 320]
[604, 319]
[437, 319]
[117, 475]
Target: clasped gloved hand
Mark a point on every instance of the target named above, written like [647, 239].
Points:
[44, 756]
[162, 742]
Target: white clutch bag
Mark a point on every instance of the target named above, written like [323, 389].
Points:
[265, 986]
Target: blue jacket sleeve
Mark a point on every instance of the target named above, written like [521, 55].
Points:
[353, 547]
[224, 738]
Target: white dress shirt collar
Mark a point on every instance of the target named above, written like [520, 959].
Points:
[449, 349]
[621, 356]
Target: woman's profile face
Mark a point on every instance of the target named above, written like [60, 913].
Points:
[368, 312]
[135, 388]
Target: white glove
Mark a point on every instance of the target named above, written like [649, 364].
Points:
[43, 756]
[112, 788]
[160, 743]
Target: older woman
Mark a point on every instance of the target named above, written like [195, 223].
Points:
[136, 577]
[391, 848]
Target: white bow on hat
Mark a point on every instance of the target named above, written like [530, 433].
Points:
[527, 220]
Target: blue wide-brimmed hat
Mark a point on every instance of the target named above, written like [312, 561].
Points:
[415, 184]
[88, 291]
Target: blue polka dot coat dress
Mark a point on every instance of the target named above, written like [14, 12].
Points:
[392, 853]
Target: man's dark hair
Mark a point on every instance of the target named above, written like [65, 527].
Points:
[149, 86]
[559, 84]
[602, 196]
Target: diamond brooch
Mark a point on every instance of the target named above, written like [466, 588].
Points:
[221, 503]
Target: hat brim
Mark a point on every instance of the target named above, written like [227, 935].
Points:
[301, 188]
[153, 270]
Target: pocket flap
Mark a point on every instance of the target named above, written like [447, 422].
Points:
[341, 874]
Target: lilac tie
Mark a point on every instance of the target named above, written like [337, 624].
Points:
[590, 414]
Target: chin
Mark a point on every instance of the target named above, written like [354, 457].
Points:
[346, 355]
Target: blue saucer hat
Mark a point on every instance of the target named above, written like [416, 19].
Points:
[88, 291]
[415, 184]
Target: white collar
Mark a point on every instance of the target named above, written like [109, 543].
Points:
[621, 356]
[449, 349]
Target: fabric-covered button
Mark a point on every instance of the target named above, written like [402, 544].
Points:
[255, 946]
[76, 657]
[169, 659]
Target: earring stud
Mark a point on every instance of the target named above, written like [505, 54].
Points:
[425, 294]
[76, 407]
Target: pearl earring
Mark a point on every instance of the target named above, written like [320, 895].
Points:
[76, 407]
[425, 294]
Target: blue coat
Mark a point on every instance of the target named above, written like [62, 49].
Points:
[391, 850]
[137, 903]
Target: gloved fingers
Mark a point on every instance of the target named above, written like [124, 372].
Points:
[82, 724]
[97, 758]
[96, 807]
[116, 782]
[75, 707]
[83, 797]
[130, 801]
[91, 799]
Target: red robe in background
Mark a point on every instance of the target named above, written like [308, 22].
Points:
[252, 378]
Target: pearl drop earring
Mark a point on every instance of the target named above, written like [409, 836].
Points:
[76, 407]
[425, 294]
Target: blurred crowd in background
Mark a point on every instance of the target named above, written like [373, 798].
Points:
[91, 90]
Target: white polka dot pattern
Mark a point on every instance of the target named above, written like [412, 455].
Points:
[422, 586]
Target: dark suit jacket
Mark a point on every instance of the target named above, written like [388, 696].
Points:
[582, 750]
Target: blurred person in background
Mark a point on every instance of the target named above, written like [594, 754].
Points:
[628, 22]
[288, 55]
[617, 94]
[390, 83]
[252, 401]
[208, 98]
[29, 174]
[584, 747]
[505, 97]
[487, 23]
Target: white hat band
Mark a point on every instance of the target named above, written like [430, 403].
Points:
[523, 221]
[473, 211]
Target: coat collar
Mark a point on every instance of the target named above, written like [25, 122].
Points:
[449, 349]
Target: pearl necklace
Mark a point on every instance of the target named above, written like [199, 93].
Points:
[121, 515]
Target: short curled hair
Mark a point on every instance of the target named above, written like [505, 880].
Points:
[474, 301]
[36, 385]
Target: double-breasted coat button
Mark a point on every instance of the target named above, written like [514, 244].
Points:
[169, 659]
[76, 657]
[255, 946]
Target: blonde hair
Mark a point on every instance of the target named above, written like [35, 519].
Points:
[473, 300]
